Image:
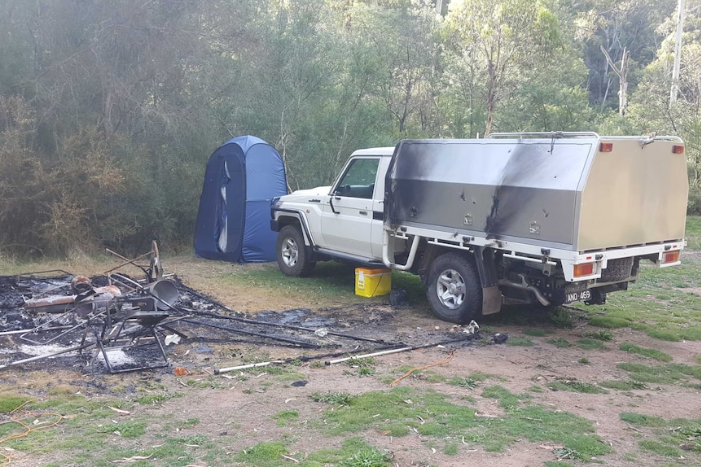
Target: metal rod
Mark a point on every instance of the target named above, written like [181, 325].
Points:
[121, 280]
[31, 274]
[280, 325]
[128, 262]
[403, 349]
[25, 331]
[244, 367]
[251, 333]
[71, 328]
[303, 358]
[41, 357]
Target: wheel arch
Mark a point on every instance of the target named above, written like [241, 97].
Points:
[483, 257]
[295, 218]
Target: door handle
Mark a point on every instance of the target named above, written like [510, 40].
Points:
[363, 213]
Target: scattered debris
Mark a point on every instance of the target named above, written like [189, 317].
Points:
[204, 349]
[471, 328]
[500, 338]
[398, 297]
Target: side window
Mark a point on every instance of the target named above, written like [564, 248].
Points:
[359, 179]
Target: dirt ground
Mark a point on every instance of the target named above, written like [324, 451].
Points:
[246, 408]
[241, 410]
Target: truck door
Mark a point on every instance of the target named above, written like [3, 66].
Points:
[347, 211]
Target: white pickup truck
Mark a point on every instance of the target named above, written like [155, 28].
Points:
[548, 218]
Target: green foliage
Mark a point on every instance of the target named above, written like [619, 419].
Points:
[108, 113]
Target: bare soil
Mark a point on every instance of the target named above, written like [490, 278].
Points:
[243, 410]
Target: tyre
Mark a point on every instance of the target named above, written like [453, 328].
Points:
[292, 253]
[617, 270]
[454, 290]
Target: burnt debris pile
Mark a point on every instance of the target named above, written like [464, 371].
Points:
[115, 323]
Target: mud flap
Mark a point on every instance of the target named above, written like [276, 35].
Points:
[491, 300]
[491, 295]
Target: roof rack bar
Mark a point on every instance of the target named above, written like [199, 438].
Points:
[546, 134]
[646, 138]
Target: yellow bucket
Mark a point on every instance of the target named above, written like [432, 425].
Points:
[373, 282]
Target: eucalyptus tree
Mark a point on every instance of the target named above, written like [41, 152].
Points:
[502, 37]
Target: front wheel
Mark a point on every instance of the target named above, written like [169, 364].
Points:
[454, 289]
[292, 253]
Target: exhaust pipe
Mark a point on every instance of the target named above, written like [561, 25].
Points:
[524, 285]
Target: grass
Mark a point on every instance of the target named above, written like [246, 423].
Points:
[157, 399]
[537, 332]
[365, 366]
[285, 416]
[666, 437]
[590, 344]
[507, 399]
[600, 335]
[576, 386]
[641, 420]
[559, 342]
[11, 401]
[354, 452]
[520, 342]
[402, 411]
[333, 398]
[661, 374]
[645, 352]
[658, 303]
[623, 385]
[463, 382]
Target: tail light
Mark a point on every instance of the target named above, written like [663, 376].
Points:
[605, 147]
[677, 149]
[670, 257]
[584, 269]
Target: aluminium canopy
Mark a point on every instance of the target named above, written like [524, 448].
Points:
[233, 221]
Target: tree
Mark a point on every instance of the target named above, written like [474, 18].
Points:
[502, 36]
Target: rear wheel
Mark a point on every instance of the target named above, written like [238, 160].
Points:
[292, 253]
[454, 289]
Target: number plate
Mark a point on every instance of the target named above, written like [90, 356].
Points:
[583, 295]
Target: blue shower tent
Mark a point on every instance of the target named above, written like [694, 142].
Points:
[233, 222]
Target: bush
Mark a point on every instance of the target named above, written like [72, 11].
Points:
[694, 205]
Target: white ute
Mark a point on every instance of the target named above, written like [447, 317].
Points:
[551, 218]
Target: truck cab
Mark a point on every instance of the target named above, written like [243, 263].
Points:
[344, 220]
